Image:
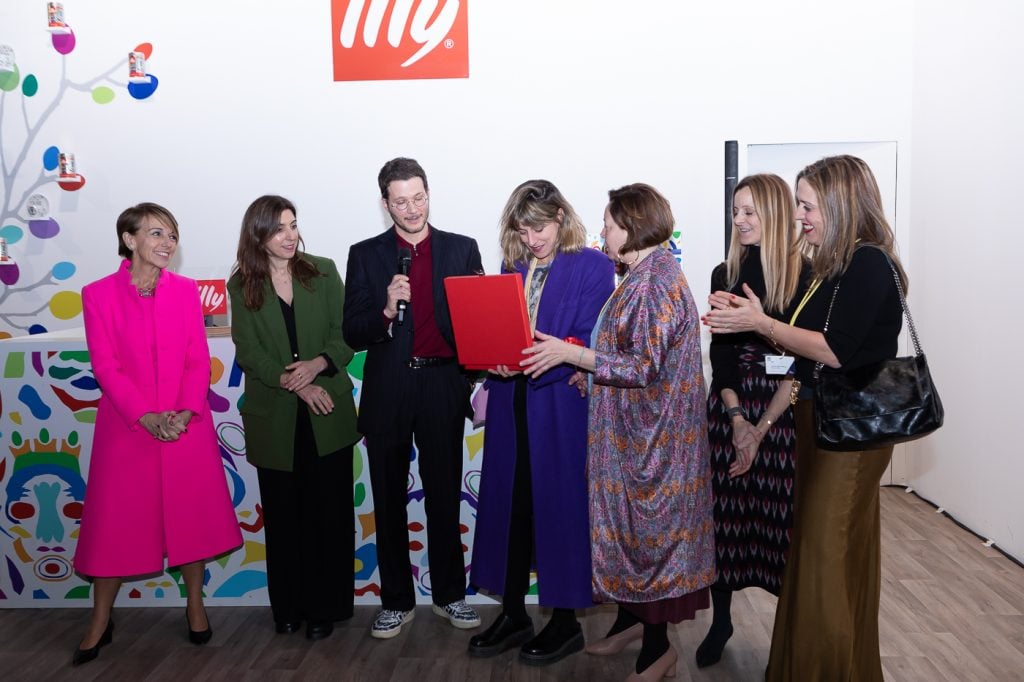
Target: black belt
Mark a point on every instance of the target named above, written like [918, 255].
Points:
[420, 363]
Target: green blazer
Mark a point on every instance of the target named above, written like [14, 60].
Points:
[262, 350]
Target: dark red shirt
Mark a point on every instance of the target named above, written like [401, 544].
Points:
[427, 341]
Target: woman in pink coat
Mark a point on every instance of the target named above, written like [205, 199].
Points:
[156, 484]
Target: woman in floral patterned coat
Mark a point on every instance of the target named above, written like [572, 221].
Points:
[652, 534]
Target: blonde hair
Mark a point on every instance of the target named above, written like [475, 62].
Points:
[780, 241]
[533, 204]
[851, 208]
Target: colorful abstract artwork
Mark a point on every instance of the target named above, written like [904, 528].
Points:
[36, 174]
[673, 246]
[48, 400]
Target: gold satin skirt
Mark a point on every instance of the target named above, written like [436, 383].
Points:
[826, 625]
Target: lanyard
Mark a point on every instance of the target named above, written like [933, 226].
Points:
[807, 296]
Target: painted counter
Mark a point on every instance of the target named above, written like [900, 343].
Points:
[48, 398]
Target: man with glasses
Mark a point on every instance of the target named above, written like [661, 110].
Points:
[413, 391]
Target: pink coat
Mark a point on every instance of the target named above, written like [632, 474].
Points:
[147, 499]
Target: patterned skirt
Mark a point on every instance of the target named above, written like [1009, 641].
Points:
[754, 512]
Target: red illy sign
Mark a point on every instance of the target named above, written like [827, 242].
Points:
[213, 294]
[399, 39]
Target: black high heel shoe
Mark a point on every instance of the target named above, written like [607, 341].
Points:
[710, 650]
[199, 637]
[83, 656]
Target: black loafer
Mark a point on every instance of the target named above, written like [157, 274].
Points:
[319, 629]
[287, 627]
[551, 645]
[503, 634]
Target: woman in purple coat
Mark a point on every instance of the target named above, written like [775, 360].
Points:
[535, 445]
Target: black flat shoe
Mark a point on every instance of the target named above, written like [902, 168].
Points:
[287, 627]
[503, 634]
[319, 629]
[552, 644]
[199, 637]
[83, 656]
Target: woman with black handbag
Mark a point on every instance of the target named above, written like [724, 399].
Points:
[826, 624]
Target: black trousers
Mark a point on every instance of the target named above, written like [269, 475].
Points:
[435, 414]
[520, 531]
[309, 526]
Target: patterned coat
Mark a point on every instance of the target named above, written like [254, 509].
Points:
[652, 535]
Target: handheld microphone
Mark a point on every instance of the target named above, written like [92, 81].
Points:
[404, 262]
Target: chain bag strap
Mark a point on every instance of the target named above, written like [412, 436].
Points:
[886, 402]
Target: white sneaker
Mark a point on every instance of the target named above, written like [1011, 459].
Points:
[459, 614]
[389, 623]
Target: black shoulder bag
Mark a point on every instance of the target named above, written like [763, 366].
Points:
[887, 402]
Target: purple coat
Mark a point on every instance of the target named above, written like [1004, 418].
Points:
[575, 290]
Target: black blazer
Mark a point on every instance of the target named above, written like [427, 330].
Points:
[372, 264]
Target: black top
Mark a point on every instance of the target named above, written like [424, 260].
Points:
[293, 338]
[724, 349]
[866, 317]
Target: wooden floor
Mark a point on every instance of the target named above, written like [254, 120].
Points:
[952, 609]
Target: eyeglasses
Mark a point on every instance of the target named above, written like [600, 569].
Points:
[402, 205]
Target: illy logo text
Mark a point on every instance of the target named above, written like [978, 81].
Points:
[427, 35]
[400, 39]
[213, 296]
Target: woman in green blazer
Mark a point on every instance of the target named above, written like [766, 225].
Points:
[298, 414]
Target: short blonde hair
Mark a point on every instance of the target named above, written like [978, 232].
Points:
[533, 204]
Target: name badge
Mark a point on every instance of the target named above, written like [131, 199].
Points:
[778, 364]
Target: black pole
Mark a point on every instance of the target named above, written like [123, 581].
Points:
[731, 171]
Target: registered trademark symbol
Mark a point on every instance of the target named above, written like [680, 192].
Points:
[449, 43]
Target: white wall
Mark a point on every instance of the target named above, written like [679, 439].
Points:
[590, 94]
[968, 118]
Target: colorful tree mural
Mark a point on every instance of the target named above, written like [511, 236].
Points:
[24, 211]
